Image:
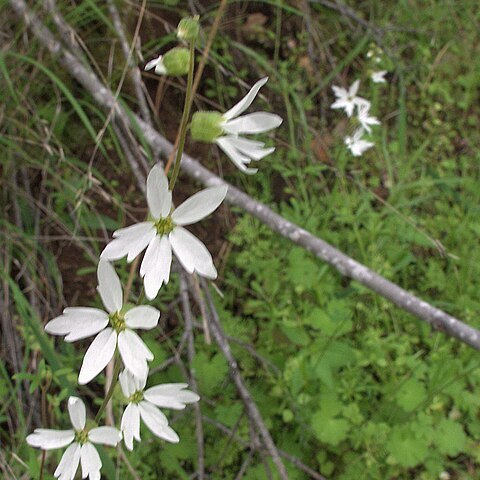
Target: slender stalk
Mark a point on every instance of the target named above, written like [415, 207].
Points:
[108, 396]
[185, 117]
[42, 465]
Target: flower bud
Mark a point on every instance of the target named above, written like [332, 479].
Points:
[206, 126]
[188, 28]
[176, 61]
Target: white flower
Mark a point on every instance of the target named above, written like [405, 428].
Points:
[81, 322]
[241, 150]
[80, 439]
[157, 64]
[356, 145]
[224, 130]
[166, 233]
[143, 404]
[347, 99]
[365, 119]
[378, 77]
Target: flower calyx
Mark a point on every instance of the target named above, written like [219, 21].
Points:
[176, 61]
[207, 126]
[188, 28]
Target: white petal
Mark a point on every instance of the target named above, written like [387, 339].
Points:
[77, 323]
[98, 355]
[50, 439]
[340, 103]
[378, 77]
[171, 395]
[140, 382]
[152, 63]
[131, 384]
[126, 382]
[90, 461]
[130, 425]
[199, 205]
[251, 148]
[339, 92]
[246, 101]
[156, 264]
[235, 156]
[77, 412]
[192, 253]
[257, 122]
[105, 435]
[129, 241]
[159, 197]
[156, 421]
[134, 353]
[361, 102]
[109, 286]
[69, 463]
[354, 88]
[144, 316]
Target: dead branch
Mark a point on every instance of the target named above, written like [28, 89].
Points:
[187, 315]
[291, 458]
[247, 399]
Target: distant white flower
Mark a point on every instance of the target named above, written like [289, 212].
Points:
[378, 77]
[365, 119]
[166, 233]
[143, 404]
[82, 322]
[224, 130]
[80, 439]
[356, 145]
[348, 99]
[157, 64]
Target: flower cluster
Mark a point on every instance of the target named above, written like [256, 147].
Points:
[351, 103]
[162, 235]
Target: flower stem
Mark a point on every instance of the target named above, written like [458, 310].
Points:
[108, 396]
[185, 117]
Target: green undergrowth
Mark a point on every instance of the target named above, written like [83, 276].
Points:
[351, 385]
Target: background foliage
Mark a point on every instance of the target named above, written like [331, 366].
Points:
[347, 382]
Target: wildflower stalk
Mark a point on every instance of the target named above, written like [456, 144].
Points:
[108, 396]
[185, 117]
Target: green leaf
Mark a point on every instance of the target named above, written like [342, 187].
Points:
[210, 372]
[329, 430]
[450, 438]
[411, 394]
[405, 448]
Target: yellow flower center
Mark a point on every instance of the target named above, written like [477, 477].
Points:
[164, 226]
[137, 397]
[117, 321]
[81, 436]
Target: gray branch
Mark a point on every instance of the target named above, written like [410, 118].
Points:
[438, 319]
[250, 405]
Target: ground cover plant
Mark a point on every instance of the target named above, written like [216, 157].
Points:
[346, 384]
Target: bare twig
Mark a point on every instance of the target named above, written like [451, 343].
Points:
[187, 315]
[291, 458]
[247, 399]
[134, 70]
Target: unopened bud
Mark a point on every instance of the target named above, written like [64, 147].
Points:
[206, 126]
[188, 28]
[176, 61]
